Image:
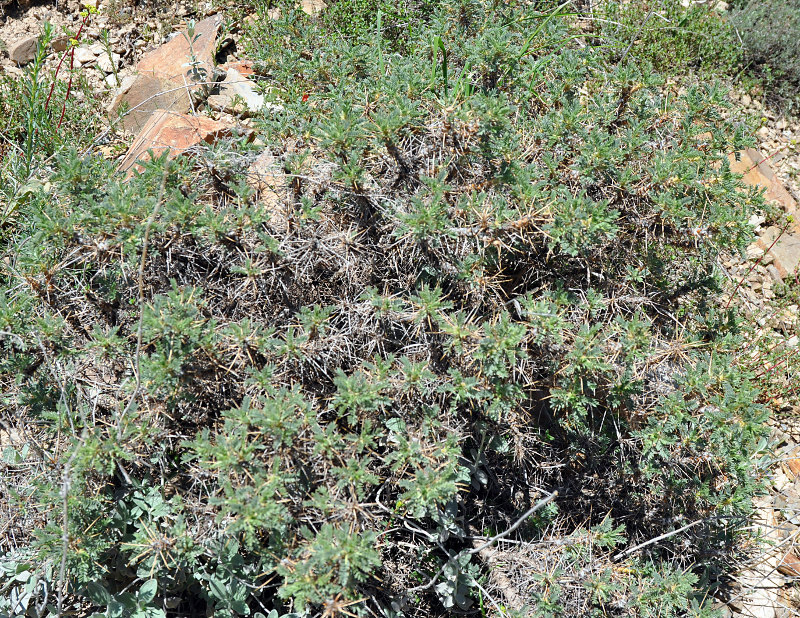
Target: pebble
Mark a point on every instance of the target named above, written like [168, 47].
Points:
[22, 52]
[106, 64]
[59, 44]
[753, 252]
[83, 55]
[773, 272]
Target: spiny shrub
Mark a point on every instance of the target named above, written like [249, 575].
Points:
[474, 279]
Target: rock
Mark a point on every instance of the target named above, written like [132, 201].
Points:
[237, 95]
[757, 173]
[790, 565]
[176, 133]
[785, 320]
[754, 251]
[775, 274]
[84, 55]
[746, 100]
[165, 79]
[266, 177]
[24, 51]
[722, 7]
[108, 64]
[312, 7]
[243, 67]
[785, 251]
[792, 466]
[141, 96]
[172, 60]
[126, 81]
[763, 133]
[59, 44]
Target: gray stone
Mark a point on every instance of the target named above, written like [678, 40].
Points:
[59, 44]
[237, 95]
[111, 81]
[312, 7]
[773, 272]
[24, 51]
[84, 55]
[786, 251]
[108, 64]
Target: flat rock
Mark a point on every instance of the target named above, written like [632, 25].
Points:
[84, 55]
[173, 132]
[237, 95]
[789, 565]
[24, 51]
[108, 64]
[786, 251]
[266, 177]
[59, 44]
[244, 67]
[757, 173]
[166, 76]
[312, 7]
[140, 96]
[172, 60]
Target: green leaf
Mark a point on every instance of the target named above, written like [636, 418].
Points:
[148, 591]
[115, 608]
[98, 594]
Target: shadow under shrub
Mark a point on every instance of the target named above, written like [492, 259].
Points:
[483, 273]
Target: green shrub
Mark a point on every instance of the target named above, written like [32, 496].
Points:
[770, 34]
[39, 116]
[488, 279]
[673, 38]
